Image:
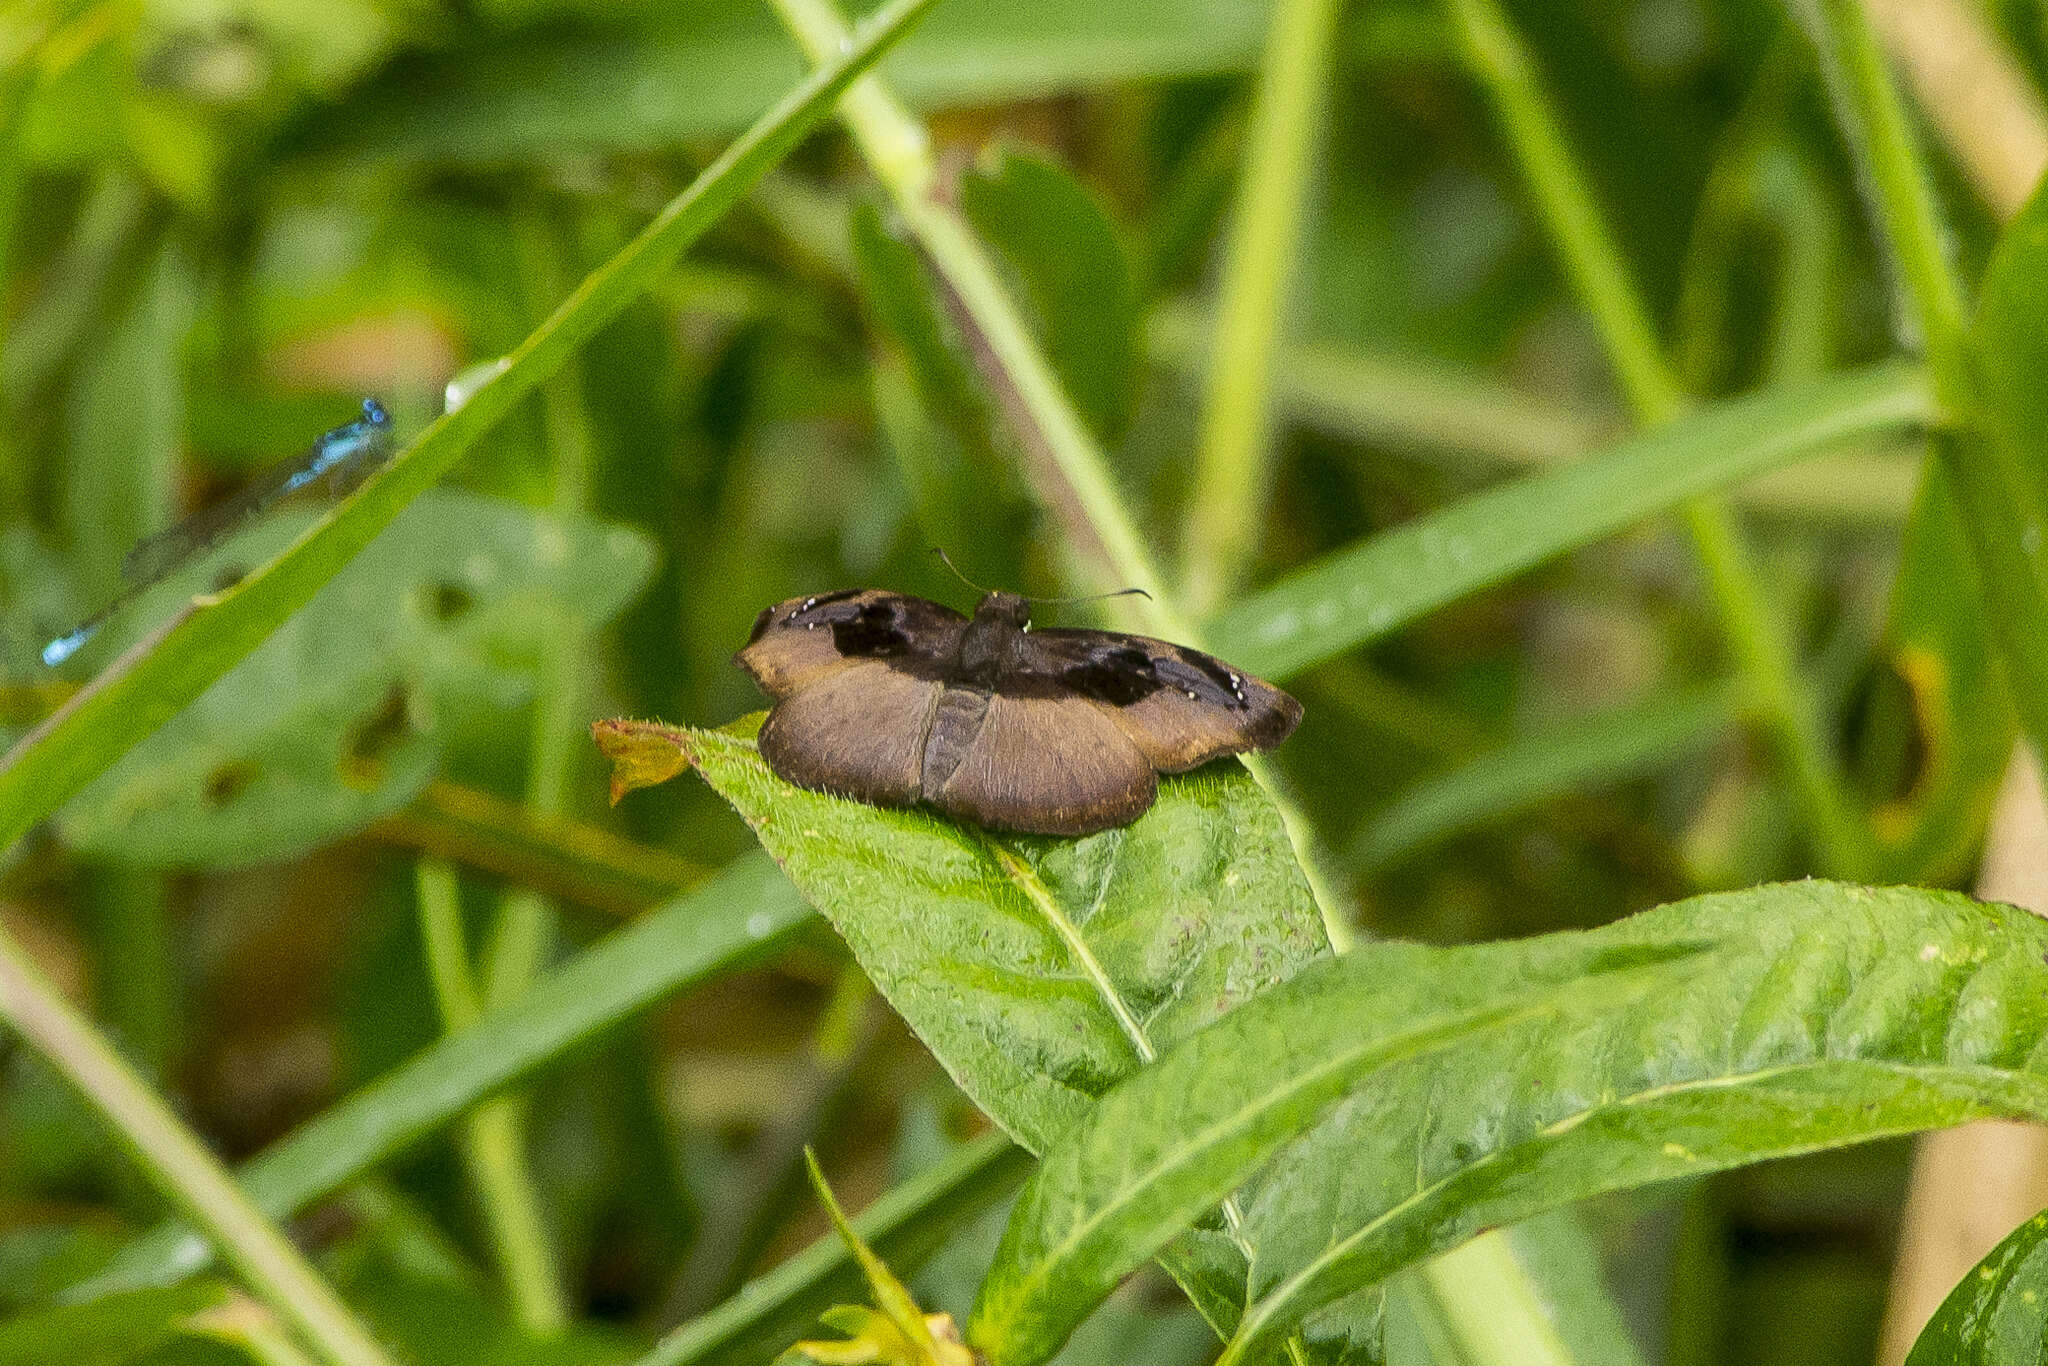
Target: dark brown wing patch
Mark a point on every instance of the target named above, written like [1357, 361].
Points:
[796, 643]
[1181, 707]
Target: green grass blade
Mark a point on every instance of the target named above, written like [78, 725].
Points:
[1232, 453]
[179, 1165]
[723, 925]
[1406, 402]
[1751, 622]
[903, 1226]
[103, 723]
[1389, 580]
[1574, 755]
[1465, 419]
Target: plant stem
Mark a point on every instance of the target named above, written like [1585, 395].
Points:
[899, 151]
[1985, 468]
[179, 1166]
[1881, 141]
[1756, 637]
[489, 1137]
[1234, 451]
[1487, 1306]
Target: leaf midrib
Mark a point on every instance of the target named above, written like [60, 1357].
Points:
[1268, 1307]
[1027, 881]
[1400, 1047]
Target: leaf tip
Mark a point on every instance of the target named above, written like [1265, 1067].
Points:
[642, 753]
[896, 1332]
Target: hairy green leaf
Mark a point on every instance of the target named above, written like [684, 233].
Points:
[1041, 971]
[1168, 1144]
[1834, 1014]
[1998, 1313]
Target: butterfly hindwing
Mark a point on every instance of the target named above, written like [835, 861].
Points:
[1044, 766]
[858, 731]
[1181, 707]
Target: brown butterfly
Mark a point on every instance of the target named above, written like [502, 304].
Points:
[895, 700]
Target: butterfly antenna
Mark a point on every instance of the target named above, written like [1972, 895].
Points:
[947, 560]
[1097, 597]
[940, 551]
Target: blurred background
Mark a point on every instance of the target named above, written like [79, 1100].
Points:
[223, 222]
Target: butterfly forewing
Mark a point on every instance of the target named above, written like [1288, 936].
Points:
[1181, 707]
[796, 643]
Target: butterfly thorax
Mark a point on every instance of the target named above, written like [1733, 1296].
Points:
[992, 641]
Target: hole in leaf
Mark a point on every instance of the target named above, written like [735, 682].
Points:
[229, 781]
[450, 602]
[373, 738]
[1890, 727]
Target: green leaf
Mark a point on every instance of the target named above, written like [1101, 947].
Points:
[1938, 700]
[1999, 468]
[701, 70]
[1074, 273]
[106, 1332]
[1998, 1313]
[935, 409]
[1834, 1014]
[729, 922]
[899, 290]
[106, 721]
[1168, 1144]
[1391, 579]
[334, 720]
[1041, 971]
